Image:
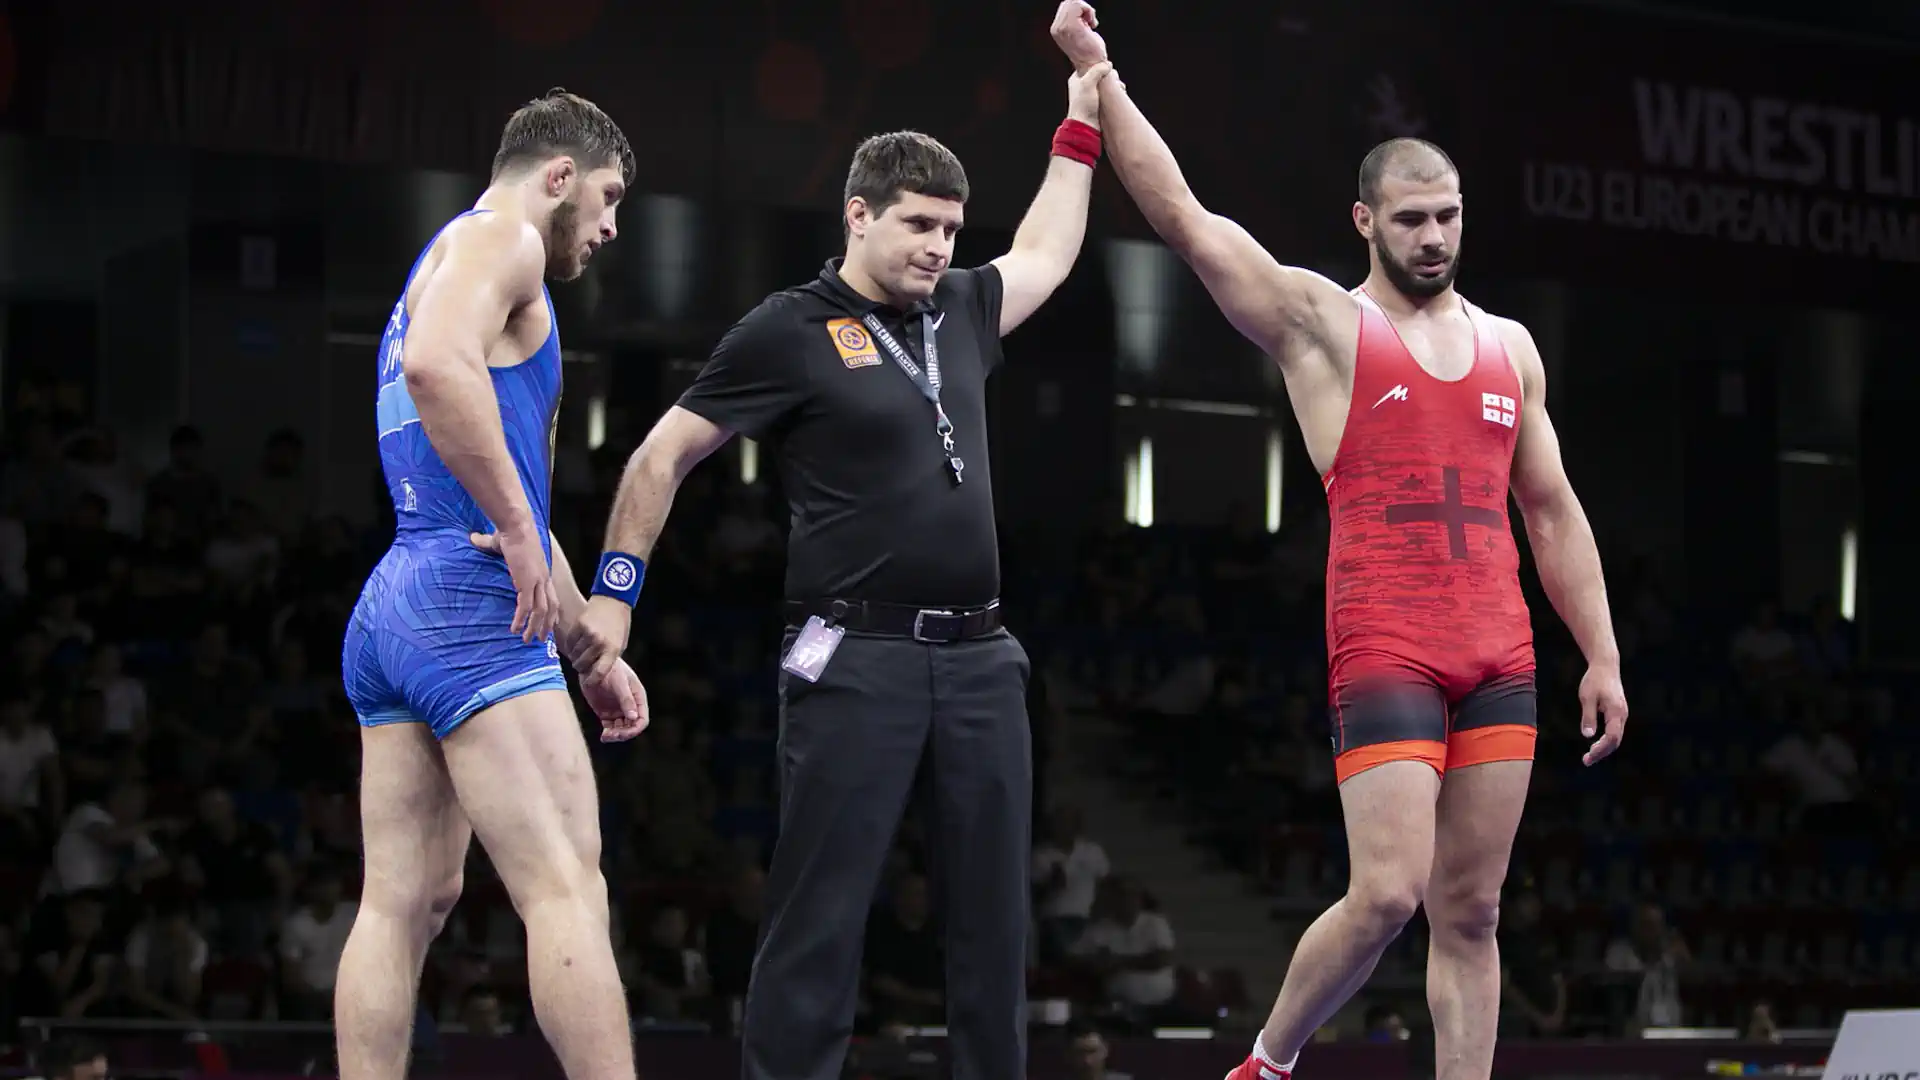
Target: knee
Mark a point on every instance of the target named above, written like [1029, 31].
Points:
[1464, 913]
[1386, 906]
[439, 903]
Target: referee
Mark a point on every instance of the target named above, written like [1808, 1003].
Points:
[867, 388]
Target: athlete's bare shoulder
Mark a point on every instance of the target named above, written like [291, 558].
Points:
[502, 252]
[483, 277]
[1522, 351]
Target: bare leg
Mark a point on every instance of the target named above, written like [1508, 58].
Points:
[524, 779]
[1479, 814]
[416, 846]
[1389, 813]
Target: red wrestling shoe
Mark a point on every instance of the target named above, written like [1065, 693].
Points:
[1255, 1069]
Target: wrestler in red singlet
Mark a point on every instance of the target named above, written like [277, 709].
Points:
[1420, 410]
[1430, 651]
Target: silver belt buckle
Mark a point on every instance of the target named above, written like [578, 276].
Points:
[920, 622]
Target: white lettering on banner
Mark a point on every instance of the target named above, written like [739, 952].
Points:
[1753, 171]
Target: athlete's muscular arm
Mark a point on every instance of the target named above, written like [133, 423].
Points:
[653, 476]
[1564, 548]
[490, 266]
[1049, 238]
[1292, 314]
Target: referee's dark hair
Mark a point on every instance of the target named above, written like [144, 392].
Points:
[885, 167]
[557, 123]
[62, 1058]
[1409, 159]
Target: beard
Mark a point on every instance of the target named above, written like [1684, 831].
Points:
[1402, 277]
[563, 259]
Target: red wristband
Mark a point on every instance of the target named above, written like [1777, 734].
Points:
[1076, 141]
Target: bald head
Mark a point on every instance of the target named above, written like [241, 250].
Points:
[1416, 161]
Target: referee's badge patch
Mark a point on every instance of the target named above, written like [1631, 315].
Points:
[853, 343]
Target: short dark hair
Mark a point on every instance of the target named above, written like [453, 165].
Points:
[888, 166]
[1411, 159]
[559, 123]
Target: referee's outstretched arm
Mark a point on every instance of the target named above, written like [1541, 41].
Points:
[1048, 240]
[676, 444]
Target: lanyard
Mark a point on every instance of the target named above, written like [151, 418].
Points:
[927, 381]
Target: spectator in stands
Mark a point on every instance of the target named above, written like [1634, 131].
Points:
[165, 959]
[1760, 1026]
[238, 871]
[243, 553]
[91, 757]
[311, 941]
[185, 483]
[1130, 947]
[1657, 954]
[1187, 685]
[481, 1013]
[108, 844]
[1068, 867]
[282, 491]
[732, 933]
[204, 708]
[37, 481]
[74, 1059]
[1090, 1053]
[1533, 988]
[70, 554]
[93, 457]
[1822, 771]
[1762, 649]
[168, 570]
[1383, 1023]
[669, 794]
[27, 667]
[74, 961]
[123, 696]
[67, 633]
[29, 776]
[1827, 644]
[14, 552]
[905, 959]
[674, 984]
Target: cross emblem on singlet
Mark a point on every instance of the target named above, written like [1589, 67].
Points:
[1450, 511]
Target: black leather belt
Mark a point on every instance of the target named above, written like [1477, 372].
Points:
[935, 625]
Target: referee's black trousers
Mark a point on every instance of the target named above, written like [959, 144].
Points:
[850, 746]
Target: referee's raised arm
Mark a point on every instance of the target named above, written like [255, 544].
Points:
[1048, 241]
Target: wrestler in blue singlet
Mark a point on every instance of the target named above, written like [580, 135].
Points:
[431, 640]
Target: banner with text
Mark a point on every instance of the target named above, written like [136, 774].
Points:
[1596, 145]
[1695, 155]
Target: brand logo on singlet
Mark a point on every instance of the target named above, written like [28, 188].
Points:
[1398, 393]
[618, 575]
[553, 649]
[1496, 409]
[408, 502]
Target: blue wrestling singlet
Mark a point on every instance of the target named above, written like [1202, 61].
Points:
[431, 639]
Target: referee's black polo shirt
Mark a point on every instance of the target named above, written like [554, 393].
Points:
[876, 514]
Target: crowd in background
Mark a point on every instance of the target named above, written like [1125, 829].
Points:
[179, 829]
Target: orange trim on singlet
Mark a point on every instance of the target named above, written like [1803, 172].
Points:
[1498, 742]
[1361, 758]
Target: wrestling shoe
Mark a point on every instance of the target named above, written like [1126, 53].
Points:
[1255, 1069]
